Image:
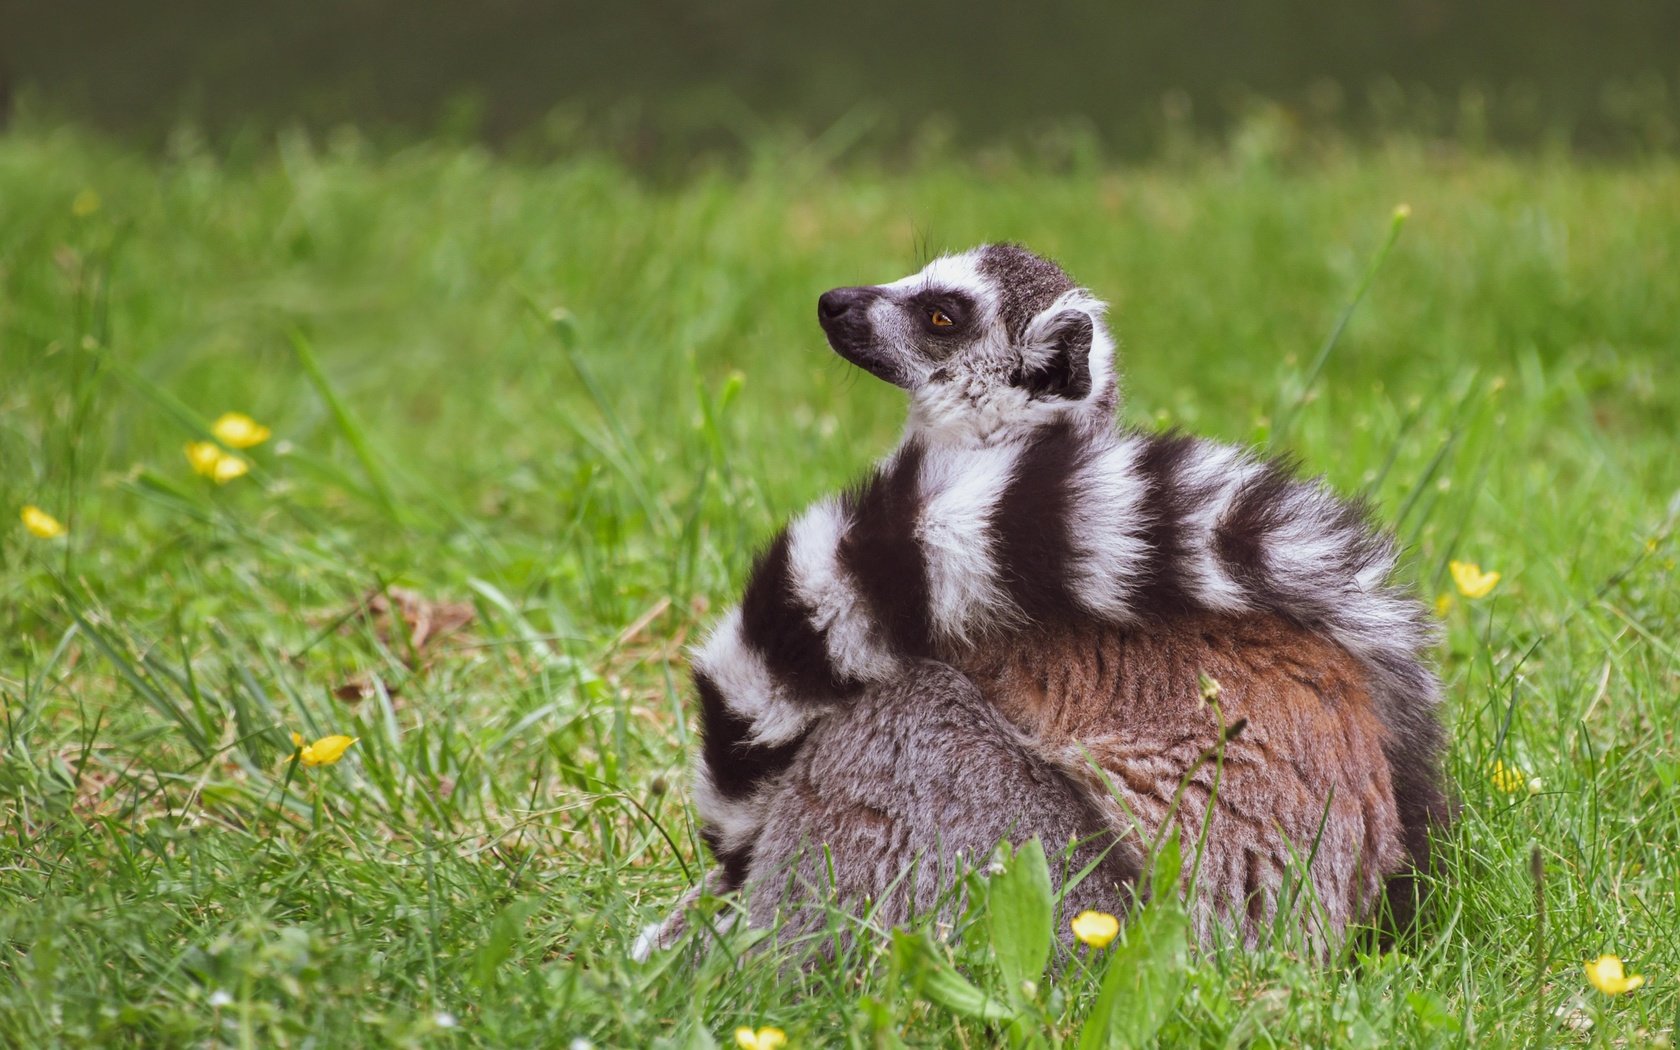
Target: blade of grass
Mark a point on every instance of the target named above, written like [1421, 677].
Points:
[347, 425]
[1285, 412]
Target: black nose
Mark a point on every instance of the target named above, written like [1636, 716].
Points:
[837, 303]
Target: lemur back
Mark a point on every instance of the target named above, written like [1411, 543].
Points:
[1072, 735]
[1305, 776]
[1015, 517]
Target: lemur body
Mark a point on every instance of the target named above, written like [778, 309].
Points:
[1017, 534]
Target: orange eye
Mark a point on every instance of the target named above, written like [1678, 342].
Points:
[939, 320]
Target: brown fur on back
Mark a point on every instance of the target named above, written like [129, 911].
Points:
[1305, 777]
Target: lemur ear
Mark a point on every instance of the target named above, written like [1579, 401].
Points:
[1057, 360]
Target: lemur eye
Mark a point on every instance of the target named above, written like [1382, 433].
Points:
[939, 320]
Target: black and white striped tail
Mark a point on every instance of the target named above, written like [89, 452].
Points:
[940, 548]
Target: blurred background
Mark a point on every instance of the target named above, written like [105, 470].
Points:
[666, 83]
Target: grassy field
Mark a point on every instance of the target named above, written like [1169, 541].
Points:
[568, 404]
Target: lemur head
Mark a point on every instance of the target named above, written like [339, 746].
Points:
[991, 344]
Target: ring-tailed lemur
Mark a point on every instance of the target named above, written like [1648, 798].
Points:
[1014, 503]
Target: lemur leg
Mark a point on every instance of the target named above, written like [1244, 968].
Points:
[890, 800]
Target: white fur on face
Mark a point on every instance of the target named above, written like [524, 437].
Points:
[894, 327]
[957, 272]
[978, 406]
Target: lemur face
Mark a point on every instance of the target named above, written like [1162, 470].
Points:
[989, 343]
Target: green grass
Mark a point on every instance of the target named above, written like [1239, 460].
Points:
[594, 481]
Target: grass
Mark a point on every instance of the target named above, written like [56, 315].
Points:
[574, 402]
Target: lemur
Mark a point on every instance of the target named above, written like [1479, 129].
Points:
[1000, 633]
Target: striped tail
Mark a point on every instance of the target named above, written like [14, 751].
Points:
[940, 550]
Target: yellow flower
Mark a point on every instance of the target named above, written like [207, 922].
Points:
[1472, 582]
[1096, 928]
[85, 204]
[203, 456]
[229, 467]
[1508, 779]
[1605, 973]
[209, 459]
[1443, 604]
[323, 752]
[40, 523]
[766, 1038]
[238, 430]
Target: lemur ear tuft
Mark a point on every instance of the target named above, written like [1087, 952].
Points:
[1057, 363]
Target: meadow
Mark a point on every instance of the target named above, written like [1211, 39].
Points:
[527, 422]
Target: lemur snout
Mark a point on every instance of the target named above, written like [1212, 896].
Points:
[844, 315]
[837, 303]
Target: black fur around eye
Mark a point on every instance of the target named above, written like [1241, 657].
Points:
[942, 315]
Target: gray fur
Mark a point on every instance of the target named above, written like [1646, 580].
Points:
[874, 785]
[1025, 284]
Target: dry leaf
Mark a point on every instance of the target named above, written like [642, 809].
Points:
[361, 687]
[423, 620]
